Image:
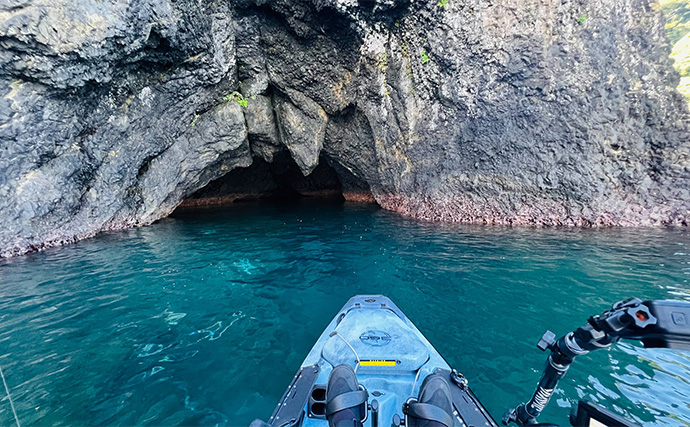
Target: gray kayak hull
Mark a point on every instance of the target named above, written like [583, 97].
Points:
[391, 359]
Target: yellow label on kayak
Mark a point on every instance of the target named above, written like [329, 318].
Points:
[377, 362]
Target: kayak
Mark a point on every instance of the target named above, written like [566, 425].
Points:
[371, 367]
[372, 346]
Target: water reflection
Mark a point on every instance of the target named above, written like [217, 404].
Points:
[203, 318]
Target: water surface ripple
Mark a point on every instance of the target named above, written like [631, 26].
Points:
[203, 318]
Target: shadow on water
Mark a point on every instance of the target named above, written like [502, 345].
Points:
[204, 317]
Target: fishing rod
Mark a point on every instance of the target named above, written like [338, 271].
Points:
[9, 397]
[658, 324]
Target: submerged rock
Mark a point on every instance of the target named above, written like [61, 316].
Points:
[522, 112]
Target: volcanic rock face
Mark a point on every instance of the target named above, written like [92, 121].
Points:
[511, 111]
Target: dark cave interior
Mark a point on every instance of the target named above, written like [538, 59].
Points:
[280, 181]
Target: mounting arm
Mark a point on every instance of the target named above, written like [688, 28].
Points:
[655, 323]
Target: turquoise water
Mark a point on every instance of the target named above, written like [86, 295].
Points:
[203, 318]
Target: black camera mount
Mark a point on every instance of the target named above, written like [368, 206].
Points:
[655, 323]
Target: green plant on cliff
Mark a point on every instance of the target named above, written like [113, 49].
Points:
[425, 57]
[194, 120]
[681, 56]
[442, 3]
[582, 19]
[677, 13]
[237, 97]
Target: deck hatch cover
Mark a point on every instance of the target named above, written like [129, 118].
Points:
[375, 335]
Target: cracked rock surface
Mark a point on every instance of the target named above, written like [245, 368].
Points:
[536, 112]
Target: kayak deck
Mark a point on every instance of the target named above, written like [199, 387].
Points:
[391, 358]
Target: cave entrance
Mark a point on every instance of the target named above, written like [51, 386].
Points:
[280, 181]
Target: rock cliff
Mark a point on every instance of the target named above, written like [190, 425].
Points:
[545, 112]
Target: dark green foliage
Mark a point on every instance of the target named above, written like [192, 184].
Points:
[237, 97]
[677, 14]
